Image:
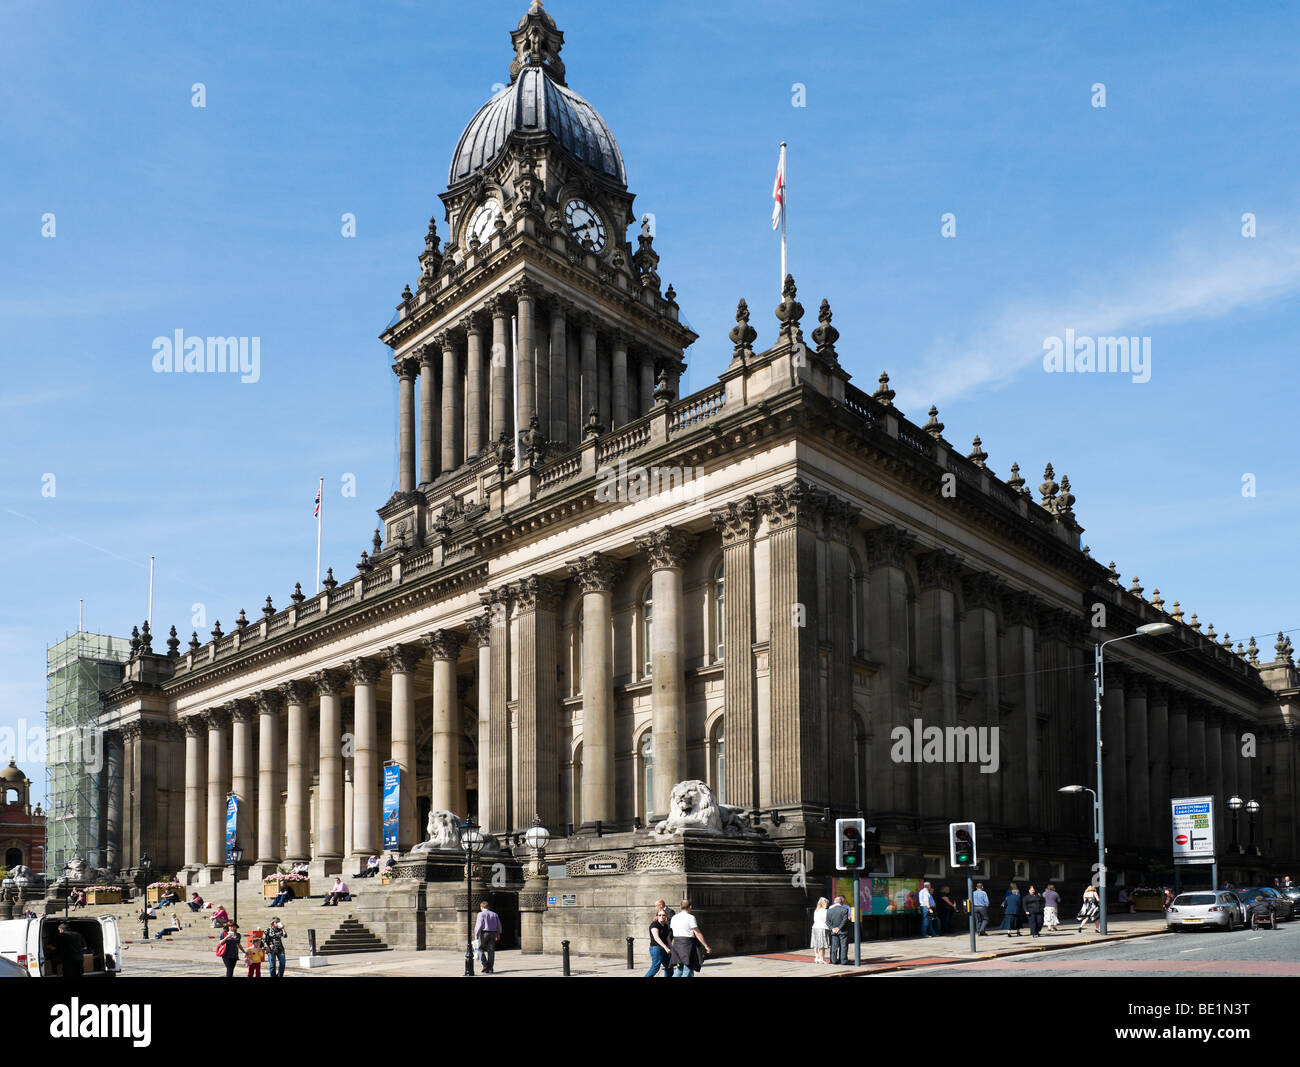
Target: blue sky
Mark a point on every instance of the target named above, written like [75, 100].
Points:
[225, 220]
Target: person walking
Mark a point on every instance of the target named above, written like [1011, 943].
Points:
[1034, 909]
[254, 957]
[487, 929]
[273, 941]
[821, 931]
[1091, 908]
[1051, 909]
[837, 918]
[980, 902]
[228, 948]
[925, 901]
[688, 939]
[1012, 911]
[661, 946]
[947, 909]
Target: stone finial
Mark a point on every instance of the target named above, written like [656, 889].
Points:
[1227, 640]
[1177, 613]
[146, 639]
[1114, 574]
[407, 295]
[194, 641]
[330, 581]
[135, 641]
[1252, 652]
[977, 453]
[1065, 502]
[883, 394]
[670, 294]
[173, 644]
[1209, 632]
[934, 427]
[1156, 601]
[742, 334]
[431, 257]
[1241, 652]
[789, 311]
[825, 335]
[216, 631]
[378, 542]
[1136, 587]
[1049, 488]
[268, 609]
[297, 596]
[1087, 551]
[1017, 483]
[594, 427]
[663, 393]
[241, 623]
[537, 43]
[1195, 624]
[364, 565]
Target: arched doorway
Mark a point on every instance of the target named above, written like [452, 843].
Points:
[13, 858]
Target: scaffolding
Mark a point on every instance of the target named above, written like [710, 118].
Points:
[78, 669]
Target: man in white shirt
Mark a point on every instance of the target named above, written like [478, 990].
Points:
[925, 899]
[685, 957]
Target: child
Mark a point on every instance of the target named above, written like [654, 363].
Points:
[254, 957]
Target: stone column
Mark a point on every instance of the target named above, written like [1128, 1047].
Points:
[428, 414]
[328, 859]
[668, 550]
[196, 731]
[113, 787]
[451, 397]
[979, 664]
[1228, 764]
[480, 634]
[619, 383]
[243, 772]
[1158, 745]
[647, 389]
[1139, 762]
[537, 778]
[1197, 780]
[597, 574]
[297, 812]
[366, 836]
[268, 704]
[736, 523]
[444, 645]
[840, 745]
[525, 293]
[939, 572]
[499, 760]
[542, 371]
[590, 378]
[402, 661]
[405, 371]
[218, 722]
[1214, 767]
[130, 795]
[603, 404]
[1114, 755]
[573, 400]
[1018, 741]
[473, 385]
[559, 374]
[500, 368]
[1179, 745]
[891, 783]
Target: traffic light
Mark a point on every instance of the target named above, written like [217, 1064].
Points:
[849, 851]
[961, 844]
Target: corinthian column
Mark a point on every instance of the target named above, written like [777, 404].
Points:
[736, 523]
[668, 550]
[243, 771]
[365, 760]
[620, 414]
[328, 859]
[559, 376]
[891, 783]
[429, 413]
[500, 363]
[590, 379]
[196, 731]
[218, 722]
[444, 646]
[537, 780]
[268, 779]
[499, 758]
[939, 572]
[480, 632]
[597, 575]
[402, 661]
[452, 385]
[1139, 766]
[297, 815]
[646, 392]
[473, 386]
[405, 370]
[525, 292]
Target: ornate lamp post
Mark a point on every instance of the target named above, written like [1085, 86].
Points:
[145, 865]
[532, 901]
[1235, 804]
[471, 840]
[236, 856]
[1252, 808]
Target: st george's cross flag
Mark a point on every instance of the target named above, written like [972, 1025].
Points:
[778, 190]
[316, 514]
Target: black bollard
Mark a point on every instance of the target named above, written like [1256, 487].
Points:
[311, 942]
[564, 950]
[630, 965]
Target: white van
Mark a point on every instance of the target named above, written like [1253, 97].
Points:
[24, 941]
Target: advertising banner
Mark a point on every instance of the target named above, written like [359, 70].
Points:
[392, 803]
[232, 824]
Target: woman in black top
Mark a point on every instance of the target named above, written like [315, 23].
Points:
[1034, 909]
[661, 945]
[230, 939]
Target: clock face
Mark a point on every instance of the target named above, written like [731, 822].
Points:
[483, 220]
[584, 223]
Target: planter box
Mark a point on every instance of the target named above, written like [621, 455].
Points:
[103, 896]
[153, 896]
[385, 878]
[270, 890]
[1149, 903]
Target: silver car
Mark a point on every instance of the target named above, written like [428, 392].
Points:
[1221, 910]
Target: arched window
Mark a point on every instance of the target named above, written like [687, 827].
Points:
[718, 760]
[577, 655]
[647, 754]
[647, 627]
[719, 615]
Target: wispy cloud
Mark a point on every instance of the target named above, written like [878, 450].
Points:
[1196, 279]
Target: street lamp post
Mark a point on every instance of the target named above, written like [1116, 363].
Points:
[1235, 804]
[236, 855]
[145, 864]
[471, 840]
[1149, 630]
[1252, 809]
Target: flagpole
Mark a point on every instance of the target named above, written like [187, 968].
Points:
[514, 384]
[320, 518]
[785, 209]
[150, 615]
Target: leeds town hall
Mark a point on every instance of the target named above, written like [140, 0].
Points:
[589, 589]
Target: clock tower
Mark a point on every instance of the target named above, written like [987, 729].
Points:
[538, 323]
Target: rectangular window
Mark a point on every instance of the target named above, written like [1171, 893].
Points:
[1058, 872]
[936, 866]
[1021, 868]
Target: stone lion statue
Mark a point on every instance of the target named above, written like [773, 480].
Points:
[20, 875]
[693, 806]
[442, 831]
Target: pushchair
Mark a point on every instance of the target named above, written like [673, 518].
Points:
[1262, 914]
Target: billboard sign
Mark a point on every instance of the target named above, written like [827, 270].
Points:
[1193, 828]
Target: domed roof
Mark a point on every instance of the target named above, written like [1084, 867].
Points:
[537, 100]
[12, 774]
[534, 103]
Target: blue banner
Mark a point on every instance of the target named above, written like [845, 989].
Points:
[392, 803]
[232, 823]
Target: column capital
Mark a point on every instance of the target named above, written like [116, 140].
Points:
[194, 725]
[217, 718]
[269, 701]
[500, 595]
[1055, 624]
[402, 659]
[888, 546]
[526, 289]
[480, 629]
[840, 518]
[363, 671]
[430, 354]
[938, 569]
[736, 521]
[559, 305]
[667, 547]
[406, 369]
[498, 305]
[596, 573]
[535, 593]
[444, 644]
[132, 731]
[470, 324]
[330, 683]
[1158, 693]
[981, 589]
[796, 503]
[1020, 608]
[295, 692]
[1136, 686]
[588, 320]
[242, 710]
